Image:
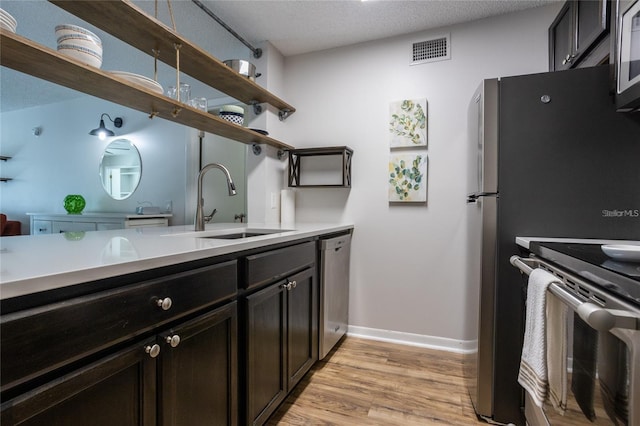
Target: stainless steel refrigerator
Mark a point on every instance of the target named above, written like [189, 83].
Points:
[548, 156]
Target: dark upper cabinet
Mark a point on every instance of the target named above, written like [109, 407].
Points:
[578, 30]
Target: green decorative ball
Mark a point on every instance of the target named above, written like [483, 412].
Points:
[74, 204]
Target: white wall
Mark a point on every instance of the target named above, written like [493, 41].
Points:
[266, 173]
[408, 261]
[64, 159]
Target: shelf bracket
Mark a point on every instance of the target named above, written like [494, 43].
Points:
[257, 149]
[283, 114]
[257, 108]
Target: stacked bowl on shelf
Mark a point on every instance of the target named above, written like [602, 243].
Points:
[79, 43]
[232, 113]
[7, 21]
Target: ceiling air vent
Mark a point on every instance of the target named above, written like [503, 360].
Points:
[436, 49]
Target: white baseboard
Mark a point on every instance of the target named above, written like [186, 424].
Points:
[411, 339]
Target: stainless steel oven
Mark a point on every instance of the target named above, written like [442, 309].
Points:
[603, 334]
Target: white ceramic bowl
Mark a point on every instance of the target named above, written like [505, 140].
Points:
[84, 55]
[7, 26]
[622, 252]
[68, 29]
[7, 17]
[7, 21]
[232, 108]
[78, 37]
[81, 43]
[233, 117]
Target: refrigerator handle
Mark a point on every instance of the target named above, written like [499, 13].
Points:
[472, 198]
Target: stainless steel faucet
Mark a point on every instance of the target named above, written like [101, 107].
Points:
[199, 226]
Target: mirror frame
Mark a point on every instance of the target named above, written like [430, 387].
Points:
[101, 169]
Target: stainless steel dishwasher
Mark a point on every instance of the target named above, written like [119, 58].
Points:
[334, 291]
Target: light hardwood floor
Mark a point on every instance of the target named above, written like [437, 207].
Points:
[365, 382]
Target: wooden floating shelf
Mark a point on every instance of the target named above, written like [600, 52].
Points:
[24, 55]
[5, 179]
[3, 158]
[132, 25]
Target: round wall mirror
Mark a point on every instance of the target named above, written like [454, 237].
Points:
[120, 169]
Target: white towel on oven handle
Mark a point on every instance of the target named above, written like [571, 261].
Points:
[533, 375]
[557, 343]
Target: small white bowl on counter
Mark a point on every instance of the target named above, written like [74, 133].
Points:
[622, 252]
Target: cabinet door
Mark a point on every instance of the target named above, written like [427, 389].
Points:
[561, 39]
[302, 325]
[591, 24]
[116, 390]
[198, 370]
[266, 384]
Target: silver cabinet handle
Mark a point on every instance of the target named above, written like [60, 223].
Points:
[153, 351]
[174, 340]
[165, 303]
[286, 286]
[289, 285]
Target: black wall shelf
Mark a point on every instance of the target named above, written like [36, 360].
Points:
[296, 170]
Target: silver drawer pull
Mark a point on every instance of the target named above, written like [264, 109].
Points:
[174, 340]
[153, 351]
[165, 303]
[288, 286]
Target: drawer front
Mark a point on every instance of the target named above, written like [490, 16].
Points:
[41, 227]
[275, 264]
[63, 226]
[39, 340]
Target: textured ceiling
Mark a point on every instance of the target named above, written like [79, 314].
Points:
[302, 26]
[292, 26]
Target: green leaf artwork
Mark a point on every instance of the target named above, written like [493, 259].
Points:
[408, 123]
[408, 178]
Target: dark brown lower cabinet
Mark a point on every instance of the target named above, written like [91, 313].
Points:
[186, 375]
[117, 390]
[280, 342]
[198, 377]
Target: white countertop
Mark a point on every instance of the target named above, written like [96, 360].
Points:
[35, 263]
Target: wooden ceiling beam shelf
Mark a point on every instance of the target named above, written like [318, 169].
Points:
[132, 25]
[24, 55]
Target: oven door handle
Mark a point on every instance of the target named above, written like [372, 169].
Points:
[598, 318]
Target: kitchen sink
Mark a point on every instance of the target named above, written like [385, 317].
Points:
[238, 235]
[231, 234]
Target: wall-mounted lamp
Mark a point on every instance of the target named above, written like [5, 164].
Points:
[102, 132]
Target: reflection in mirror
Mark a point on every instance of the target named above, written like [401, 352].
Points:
[120, 169]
